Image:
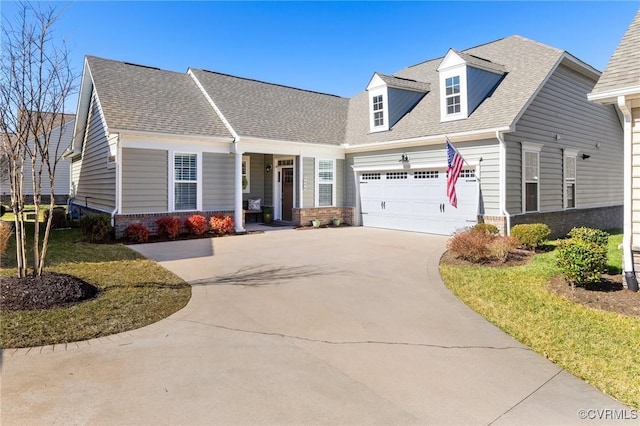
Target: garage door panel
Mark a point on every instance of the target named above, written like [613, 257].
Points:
[416, 201]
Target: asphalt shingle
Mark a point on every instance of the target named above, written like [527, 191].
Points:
[271, 111]
[146, 99]
[623, 69]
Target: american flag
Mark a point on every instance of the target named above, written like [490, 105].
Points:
[454, 167]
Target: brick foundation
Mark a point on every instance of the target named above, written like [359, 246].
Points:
[325, 215]
[561, 222]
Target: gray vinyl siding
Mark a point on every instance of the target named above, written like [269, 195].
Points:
[256, 174]
[96, 181]
[400, 102]
[76, 166]
[561, 108]
[488, 168]
[479, 84]
[309, 182]
[349, 182]
[144, 180]
[513, 175]
[339, 182]
[218, 181]
[268, 181]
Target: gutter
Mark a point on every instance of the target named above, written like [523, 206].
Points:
[629, 273]
[503, 178]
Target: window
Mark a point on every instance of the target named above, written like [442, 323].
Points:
[378, 111]
[452, 87]
[570, 180]
[325, 183]
[246, 182]
[530, 176]
[185, 181]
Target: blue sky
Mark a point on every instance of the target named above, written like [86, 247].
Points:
[330, 47]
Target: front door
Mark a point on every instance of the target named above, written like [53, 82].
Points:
[287, 193]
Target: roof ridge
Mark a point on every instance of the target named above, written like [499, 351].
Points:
[269, 83]
[133, 64]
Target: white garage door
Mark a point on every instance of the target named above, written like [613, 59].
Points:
[416, 200]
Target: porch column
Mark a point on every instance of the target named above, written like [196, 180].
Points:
[238, 216]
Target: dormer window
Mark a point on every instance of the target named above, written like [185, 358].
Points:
[452, 85]
[465, 82]
[390, 98]
[378, 111]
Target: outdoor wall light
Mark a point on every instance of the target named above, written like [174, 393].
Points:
[268, 168]
[585, 156]
[404, 158]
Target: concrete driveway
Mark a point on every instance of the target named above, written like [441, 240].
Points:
[329, 326]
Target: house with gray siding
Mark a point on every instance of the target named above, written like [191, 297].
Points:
[619, 85]
[150, 143]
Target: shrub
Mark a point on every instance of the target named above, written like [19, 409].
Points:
[96, 228]
[500, 248]
[590, 235]
[59, 219]
[196, 224]
[6, 230]
[221, 224]
[530, 236]
[471, 245]
[137, 233]
[169, 227]
[580, 261]
[487, 228]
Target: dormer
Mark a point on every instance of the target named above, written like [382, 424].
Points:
[465, 81]
[390, 98]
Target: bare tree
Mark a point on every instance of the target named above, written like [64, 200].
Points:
[36, 79]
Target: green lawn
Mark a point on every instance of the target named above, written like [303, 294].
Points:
[134, 292]
[599, 347]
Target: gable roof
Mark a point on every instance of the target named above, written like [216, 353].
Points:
[482, 63]
[271, 111]
[146, 99]
[622, 75]
[527, 64]
[404, 83]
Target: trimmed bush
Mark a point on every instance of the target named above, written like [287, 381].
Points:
[96, 228]
[580, 261]
[220, 224]
[530, 236]
[59, 218]
[136, 233]
[471, 245]
[500, 248]
[590, 235]
[487, 228]
[196, 224]
[169, 227]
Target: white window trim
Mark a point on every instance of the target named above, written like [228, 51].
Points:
[247, 167]
[380, 91]
[570, 153]
[172, 180]
[317, 182]
[456, 71]
[528, 147]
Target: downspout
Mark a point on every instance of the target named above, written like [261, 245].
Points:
[503, 179]
[118, 181]
[627, 251]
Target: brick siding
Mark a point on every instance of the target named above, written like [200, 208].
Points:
[325, 215]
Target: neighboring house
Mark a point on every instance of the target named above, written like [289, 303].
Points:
[620, 85]
[150, 143]
[61, 137]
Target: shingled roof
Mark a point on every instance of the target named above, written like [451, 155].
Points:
[527, 64]
[146, 99]
[271, 111]
[623, 69]
[405, 83]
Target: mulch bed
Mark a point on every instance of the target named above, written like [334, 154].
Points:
[607, 295]
[51, 290]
